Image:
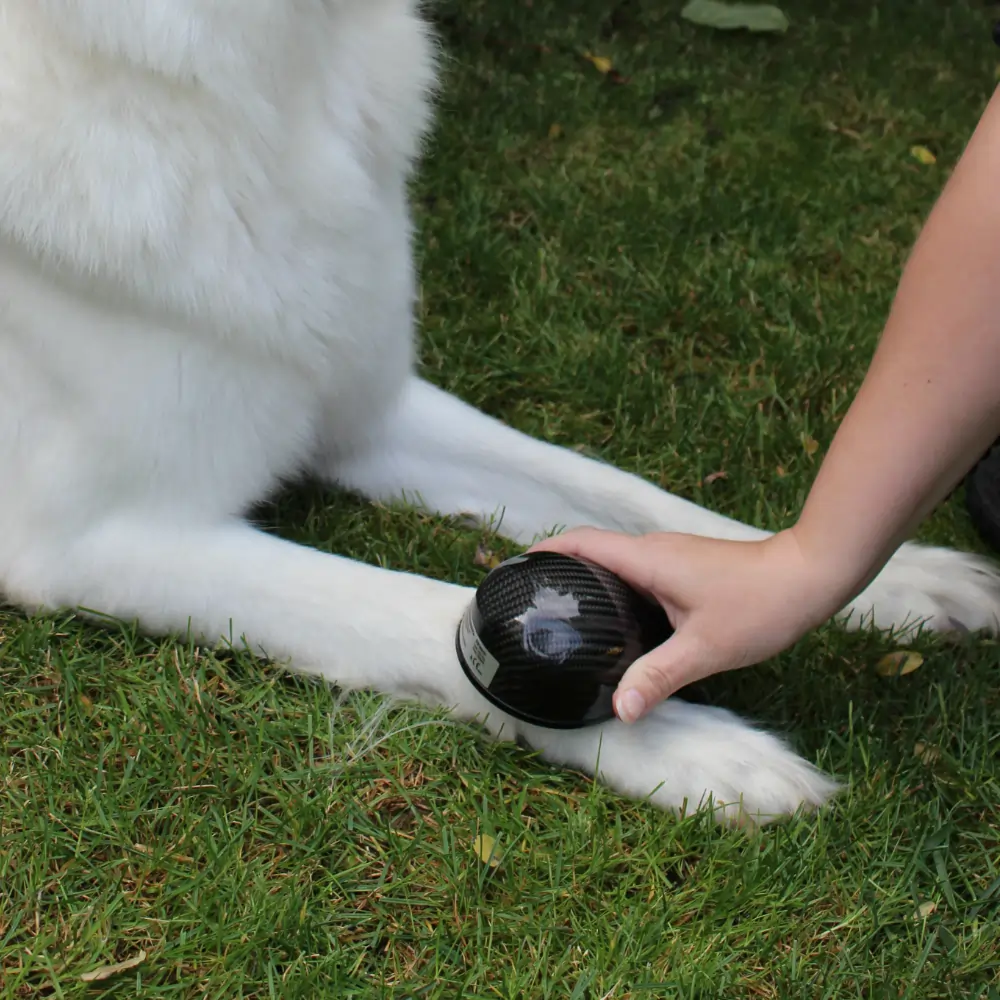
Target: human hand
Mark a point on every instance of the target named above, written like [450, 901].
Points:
[732, 604]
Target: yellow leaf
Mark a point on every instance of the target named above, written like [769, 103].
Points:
[924, 910]
[485, 848]
[486, 558]
[898, 664]
[923, 155]
[810, 445]
[107, 971]
[601, 63]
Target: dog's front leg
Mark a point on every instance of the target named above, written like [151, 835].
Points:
[362, 627]
[353, 624]
[437, 449]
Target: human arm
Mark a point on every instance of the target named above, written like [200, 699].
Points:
[928, 407]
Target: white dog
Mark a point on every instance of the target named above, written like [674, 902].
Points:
[207, 289]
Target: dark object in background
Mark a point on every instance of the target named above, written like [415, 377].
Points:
[982, 495]
[548, 637]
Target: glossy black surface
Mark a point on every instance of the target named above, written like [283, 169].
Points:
[548, 637]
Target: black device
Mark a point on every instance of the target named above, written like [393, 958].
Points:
[982, 496]
[548, 637]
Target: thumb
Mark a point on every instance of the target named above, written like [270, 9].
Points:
[659, 674]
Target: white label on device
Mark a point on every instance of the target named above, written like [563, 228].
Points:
[480, 660]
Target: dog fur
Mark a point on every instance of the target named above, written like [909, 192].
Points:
[206, 289]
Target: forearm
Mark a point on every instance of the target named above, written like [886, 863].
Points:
[930, 403]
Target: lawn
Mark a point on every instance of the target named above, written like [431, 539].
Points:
[682, 267]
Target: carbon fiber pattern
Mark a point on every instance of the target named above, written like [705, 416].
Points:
[548, 637]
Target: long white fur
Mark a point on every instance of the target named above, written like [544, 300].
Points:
[206, 288]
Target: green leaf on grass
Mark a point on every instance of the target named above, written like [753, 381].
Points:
[732, 16]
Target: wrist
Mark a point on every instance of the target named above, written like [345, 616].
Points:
[824, 579]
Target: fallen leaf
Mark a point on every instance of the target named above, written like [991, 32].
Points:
[809, 445]
[898, 664]
[923, 155]
[107, 971]
[601, 63]
[924, 910]
[926, 752]
[485, 848]
[485, 558]
[780, 470]
[732, 16]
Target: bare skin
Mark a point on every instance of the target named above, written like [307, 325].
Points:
[928, 408]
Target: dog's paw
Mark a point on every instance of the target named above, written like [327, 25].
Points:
[933, 588]
[684, 757]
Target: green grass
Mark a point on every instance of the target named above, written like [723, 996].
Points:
[687, 276]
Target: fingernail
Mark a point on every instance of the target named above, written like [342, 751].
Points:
[630, 705]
